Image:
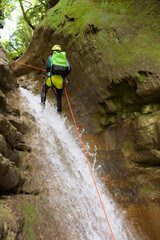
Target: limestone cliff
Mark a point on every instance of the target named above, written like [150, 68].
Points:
[113, 48]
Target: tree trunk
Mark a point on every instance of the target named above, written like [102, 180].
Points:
[25, 16]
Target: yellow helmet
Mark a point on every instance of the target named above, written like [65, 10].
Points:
[56, 47]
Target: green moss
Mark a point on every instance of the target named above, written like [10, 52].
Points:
[86, 14]
[147, 109]
[102, 108]
[141, 77]
[31, 218]
[97, 120]
[118, 7]
[22, 156]
[126, 47]
[127, 147]
[126, 31]
[124, 97]
[74, 97]
[146, 190]
[6, 213]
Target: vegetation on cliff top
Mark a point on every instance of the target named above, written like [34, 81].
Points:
[29, 15]
[125, 32]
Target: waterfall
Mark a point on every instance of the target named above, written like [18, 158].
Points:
[72, 193]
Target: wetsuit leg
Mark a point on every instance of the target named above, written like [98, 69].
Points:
[44, 93]
[59, 100]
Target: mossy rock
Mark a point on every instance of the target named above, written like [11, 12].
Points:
[31, 217]
[8, 222]
[147, 109]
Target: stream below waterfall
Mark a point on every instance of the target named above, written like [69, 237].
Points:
[71, 191]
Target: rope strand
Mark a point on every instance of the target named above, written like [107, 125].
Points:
[88, 162]
[25, 65]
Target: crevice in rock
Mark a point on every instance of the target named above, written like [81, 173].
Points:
[91, 29]
[144, 73]
[148, 165]
[70, 19]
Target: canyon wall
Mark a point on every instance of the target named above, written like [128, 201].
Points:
[20, 183]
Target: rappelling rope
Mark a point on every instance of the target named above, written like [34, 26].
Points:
[88, 161]
[14, 62]
[81, 144]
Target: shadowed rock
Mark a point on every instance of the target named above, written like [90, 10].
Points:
[23, 147]
[21, 126]
[7, 151]
[2, 102]
[10, 133]
[9, 175]
[7, 79]
[51, 3]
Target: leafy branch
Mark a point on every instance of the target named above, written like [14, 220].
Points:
[25, 15]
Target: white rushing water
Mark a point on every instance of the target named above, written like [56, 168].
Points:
[77, 206]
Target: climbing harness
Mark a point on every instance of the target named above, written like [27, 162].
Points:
[81, 145]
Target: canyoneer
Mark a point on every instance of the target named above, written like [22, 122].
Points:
[57, 68]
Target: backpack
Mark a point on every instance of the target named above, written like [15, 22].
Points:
[59, 64]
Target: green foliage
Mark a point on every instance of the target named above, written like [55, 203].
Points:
[35, 11]
[19, 40]
[11, 53]
[6, 7]
[141, 77]
[104, 5]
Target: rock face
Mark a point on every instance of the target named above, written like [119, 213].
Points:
[143, 147]
[51, 3]
[10, 133]
[9, 176]
[113, 49]
[2, 101]
[7, 79]
[10, 137]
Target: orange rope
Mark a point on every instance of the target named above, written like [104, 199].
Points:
[13, 63]
[26, 65]
[88, 163]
